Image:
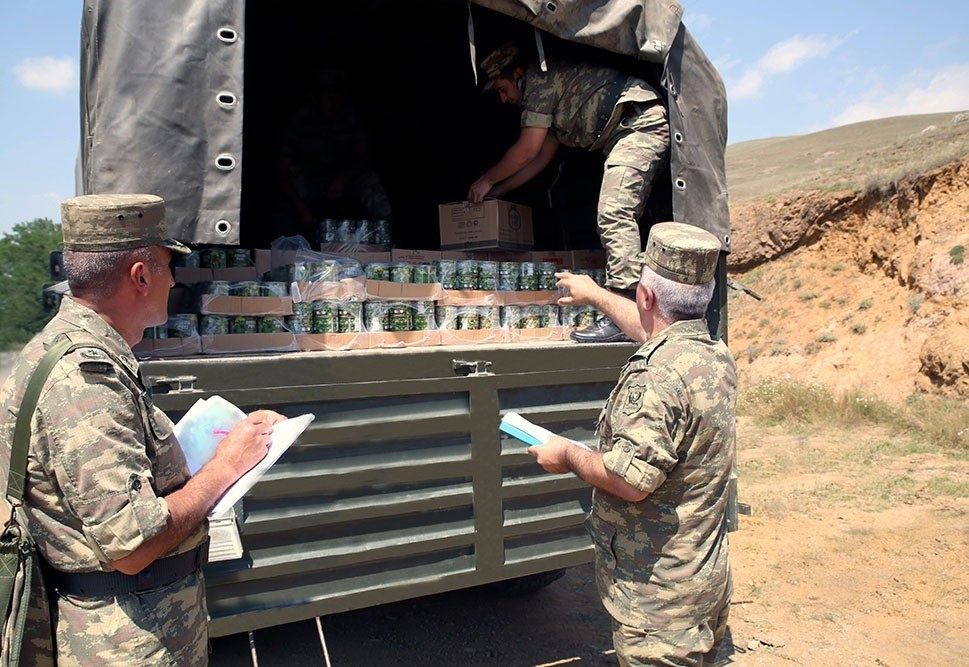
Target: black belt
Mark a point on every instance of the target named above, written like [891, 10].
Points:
[162, 572]
[608, 103]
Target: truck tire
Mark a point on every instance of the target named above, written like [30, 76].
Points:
[523, 585]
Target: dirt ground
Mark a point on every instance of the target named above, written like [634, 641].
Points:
[855, 553]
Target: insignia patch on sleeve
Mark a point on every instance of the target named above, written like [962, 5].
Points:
[634, 399]
[94, 360]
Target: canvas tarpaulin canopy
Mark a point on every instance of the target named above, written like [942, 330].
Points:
[161, 108]
[652, 31]
[162, 101]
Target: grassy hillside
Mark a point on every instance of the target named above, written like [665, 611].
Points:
[850, 157]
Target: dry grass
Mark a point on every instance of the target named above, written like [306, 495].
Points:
[931, 420]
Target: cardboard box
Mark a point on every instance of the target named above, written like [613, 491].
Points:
[464, 254]
[257, 342]
[333, 341]
[528, 297]
[214, 304]
[509, 255]
[494, 223]
[498, 298]
[562, 258]
[470, 297]
[169, 347]
[348, 289]
[540, 335]
[588, 259]
[384, 339]
[415, 256]
[473, 337]
[391, 291]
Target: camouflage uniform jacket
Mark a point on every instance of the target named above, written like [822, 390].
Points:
[574, 100]
[101, 458]
[668, 429]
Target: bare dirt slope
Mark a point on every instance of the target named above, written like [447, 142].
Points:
[864, 288]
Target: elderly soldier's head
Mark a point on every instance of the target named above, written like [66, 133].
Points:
[503, 69]
[677, 280]
[117, 254]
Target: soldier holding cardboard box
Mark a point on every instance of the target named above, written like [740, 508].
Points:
[593, 107]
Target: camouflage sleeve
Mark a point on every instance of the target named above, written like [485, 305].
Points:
[643, 452]
[97, 442]
[540, 99]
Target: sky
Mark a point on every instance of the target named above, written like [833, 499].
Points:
[789, 68]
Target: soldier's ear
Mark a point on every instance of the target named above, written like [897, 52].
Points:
[138, 275]
[645, 298]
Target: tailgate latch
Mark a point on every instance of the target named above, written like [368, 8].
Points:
[182, 384]
[477, 367]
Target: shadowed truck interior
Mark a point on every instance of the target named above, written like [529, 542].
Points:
[409, 79]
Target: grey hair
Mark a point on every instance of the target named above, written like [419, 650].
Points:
[676, 301]
[98, 275]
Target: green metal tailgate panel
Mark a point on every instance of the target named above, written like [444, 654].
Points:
[402, 486]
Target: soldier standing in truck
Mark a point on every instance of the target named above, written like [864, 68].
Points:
[599, 108]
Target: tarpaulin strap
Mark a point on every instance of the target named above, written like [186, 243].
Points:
[471, 46]
[541, 50]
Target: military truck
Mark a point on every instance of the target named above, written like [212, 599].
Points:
[403, 485]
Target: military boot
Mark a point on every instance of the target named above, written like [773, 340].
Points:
[604, 330]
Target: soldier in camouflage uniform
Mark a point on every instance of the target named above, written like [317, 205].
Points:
[665, 453]
[108, 497]
[591, 107]
[324, 165]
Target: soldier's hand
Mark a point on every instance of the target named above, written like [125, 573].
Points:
[479, 190]
[580, 288]
[247, 443]
[552, 455]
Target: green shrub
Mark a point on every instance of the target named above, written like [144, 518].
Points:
[957, 254]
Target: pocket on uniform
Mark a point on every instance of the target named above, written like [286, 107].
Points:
[161, 426]
[603, 536]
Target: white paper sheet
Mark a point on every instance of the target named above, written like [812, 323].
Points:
[203, 427]
[530, 433]
[208, 421]
[284, 435]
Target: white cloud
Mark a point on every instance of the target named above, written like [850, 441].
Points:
[47, 74]
[918, 92]
[783, 57]
[747, 85]
[789, 54]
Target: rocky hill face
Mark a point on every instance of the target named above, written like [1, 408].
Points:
[864, 288]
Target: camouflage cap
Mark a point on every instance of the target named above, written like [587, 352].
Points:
[102, 223]
[682, 253]
[497, 61]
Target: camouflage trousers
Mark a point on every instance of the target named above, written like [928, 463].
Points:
[635, 155]
[165, 626]
[686, 647]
